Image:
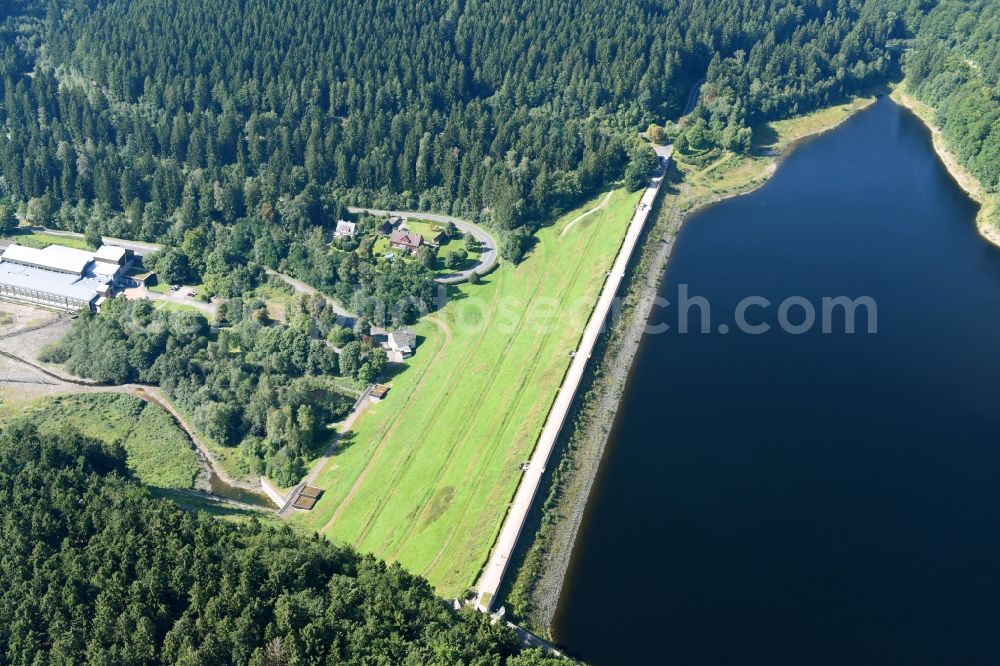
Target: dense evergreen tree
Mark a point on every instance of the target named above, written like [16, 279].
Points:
[954, 65]
[95, 570]
[158, 117]
[260, 385]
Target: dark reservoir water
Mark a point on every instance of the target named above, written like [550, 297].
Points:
[814, 498]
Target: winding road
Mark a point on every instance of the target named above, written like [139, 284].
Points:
[487, 259]
[693, 97]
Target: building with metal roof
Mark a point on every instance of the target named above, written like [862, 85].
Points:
[61, 277]
[54, 258]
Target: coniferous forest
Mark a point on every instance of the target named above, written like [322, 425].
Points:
[245, 126]
[236, 133]
[955, 66]
[97, 571]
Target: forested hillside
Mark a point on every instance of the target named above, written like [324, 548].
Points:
[954, 65]
[264, 386]
[94, 570]
[251, 121]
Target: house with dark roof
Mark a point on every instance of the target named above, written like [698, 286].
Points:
[438, 239]
[405, 240]
[390, 225]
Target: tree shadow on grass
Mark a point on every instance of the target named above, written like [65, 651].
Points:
[345, 441]
[764, 138]
[393, 370]
[199, 502]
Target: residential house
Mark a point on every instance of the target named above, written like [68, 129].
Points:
[403, 342]
[439, 238]
[345, 228]
[398, 345]
[391, 225]
[405, 240]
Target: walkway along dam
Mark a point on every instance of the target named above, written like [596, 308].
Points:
[492, 575]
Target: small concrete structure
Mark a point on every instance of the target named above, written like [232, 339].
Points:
[378, 393]
[272, 492]
[307, 497]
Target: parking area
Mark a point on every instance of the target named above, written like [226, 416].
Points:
[177, 295]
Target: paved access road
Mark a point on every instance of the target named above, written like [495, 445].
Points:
[496, 567]
[487, 259]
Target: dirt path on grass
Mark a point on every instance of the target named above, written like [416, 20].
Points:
[345, 426]
[600, 206]
[57, 382]
[450, 387]
[505, 418]
[359, 482]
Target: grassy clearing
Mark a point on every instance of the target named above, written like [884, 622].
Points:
[452, 245]
[159, 452]
[425, 228]
[780, 134]
[162, 287]
[276, 294]
[159, 287]
[170, 306]
[39, 239]
[426, 475]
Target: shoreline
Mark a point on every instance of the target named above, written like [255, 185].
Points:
[543, 562]
[962, 176]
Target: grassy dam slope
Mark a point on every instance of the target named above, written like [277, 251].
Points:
[425, 476]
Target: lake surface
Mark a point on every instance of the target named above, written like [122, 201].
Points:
[813, 498]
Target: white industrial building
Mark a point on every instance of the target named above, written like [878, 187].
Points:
[61, 277]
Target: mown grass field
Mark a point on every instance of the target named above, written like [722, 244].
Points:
[170, 306]
[426, 475]
[159, 452]
[41, 240]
